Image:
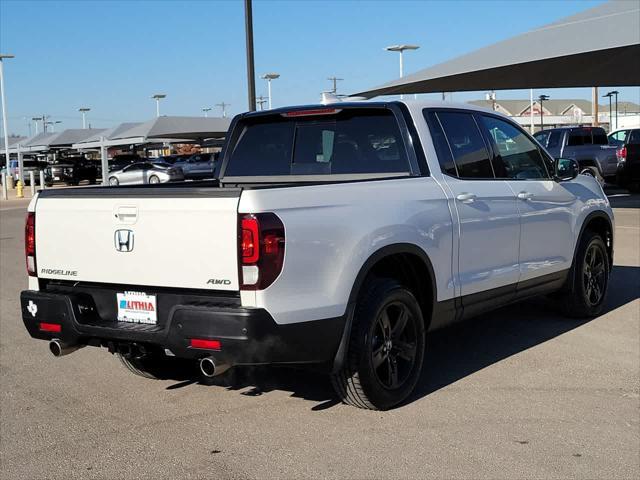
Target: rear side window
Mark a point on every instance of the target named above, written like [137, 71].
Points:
[555, 137]
[634, 138]
[465, 142]
[516, 156]
[587, 136]
[350, 142]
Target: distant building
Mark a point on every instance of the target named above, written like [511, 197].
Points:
[564, 112]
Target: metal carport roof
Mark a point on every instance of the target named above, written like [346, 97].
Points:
[597, 47]
[183, 128]
[95, 141]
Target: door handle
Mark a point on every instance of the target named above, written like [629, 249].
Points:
[466, 197]
[525, 195]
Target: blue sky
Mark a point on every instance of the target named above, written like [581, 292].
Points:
[113, 55]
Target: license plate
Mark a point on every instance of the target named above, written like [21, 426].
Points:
[137, 307]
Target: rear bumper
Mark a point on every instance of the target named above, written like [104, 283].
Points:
[248, 336]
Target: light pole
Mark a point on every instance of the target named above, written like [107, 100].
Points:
[261, 101]
[4, 107]
[541, 99]
[224, 108]
[401, 48]
[335, 81]
[53, 125]
[616, 92]
[206, 111]
[83, 111]
[35, 121]
[609, 94]
[268, 77]
[251, 73]
[157, 97]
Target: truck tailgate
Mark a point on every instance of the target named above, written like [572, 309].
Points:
[139, 237]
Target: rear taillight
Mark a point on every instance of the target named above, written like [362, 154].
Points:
[30, 243]
[621, 153]
[261, 250]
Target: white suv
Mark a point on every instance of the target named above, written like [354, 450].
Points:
[336, 236]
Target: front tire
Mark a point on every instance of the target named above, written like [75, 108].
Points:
[386, 348]
[113, 181]
[586, 292]
[154, 180]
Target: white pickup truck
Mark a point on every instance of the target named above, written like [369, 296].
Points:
[335, 236]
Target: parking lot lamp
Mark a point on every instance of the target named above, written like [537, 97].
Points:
[157, 97]
[541, 99]
[83, 111]
[268, 77]
[4, 107]
[609, 95]
[401, 49]
[206, 111]
[615, 93]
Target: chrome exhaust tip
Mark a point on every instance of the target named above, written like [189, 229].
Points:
[59, 349]
[209, 368]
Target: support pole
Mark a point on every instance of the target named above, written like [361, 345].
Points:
[32, 183]
[251, 75]
[532, 127]
[594, 106]
[5, 192]
[104, 162]
[42, 181]
[20, 164]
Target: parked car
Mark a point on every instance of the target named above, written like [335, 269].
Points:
[34, 166]
[198, 166]
[145, 172]
[72, 171]
[173, 158]
[118, 162]
[628, 175]
[341, 250]
[589, 146]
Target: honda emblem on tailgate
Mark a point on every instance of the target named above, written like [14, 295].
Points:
[123, 240]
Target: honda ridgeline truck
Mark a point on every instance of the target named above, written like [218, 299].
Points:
[336, 236]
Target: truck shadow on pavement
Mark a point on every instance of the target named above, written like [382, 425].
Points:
[452, 353]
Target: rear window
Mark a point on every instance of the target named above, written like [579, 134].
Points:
[353, 141]
[587, 136]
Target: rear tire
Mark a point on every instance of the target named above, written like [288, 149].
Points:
[386, 347]
[154, 180]
[585, 293]
[154, 366]
[113, 181]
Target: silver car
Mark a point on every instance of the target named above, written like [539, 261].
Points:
[146, 172]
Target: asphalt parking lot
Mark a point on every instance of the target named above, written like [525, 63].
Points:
[520, 393]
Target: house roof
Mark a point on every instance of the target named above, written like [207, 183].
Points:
[554, 106]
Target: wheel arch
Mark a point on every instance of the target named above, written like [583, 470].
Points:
[600, 223]
[398, 260]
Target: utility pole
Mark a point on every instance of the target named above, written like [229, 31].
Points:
[335, 81]
[251, 74]
[261, 102]
[595, 106]
[616, 92]
[224, 108]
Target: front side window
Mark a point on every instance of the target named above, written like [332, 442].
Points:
[516, 156]
[467, 147]
[352, 141]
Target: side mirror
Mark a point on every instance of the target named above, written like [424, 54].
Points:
[566, 169]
